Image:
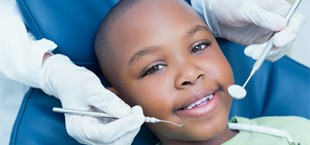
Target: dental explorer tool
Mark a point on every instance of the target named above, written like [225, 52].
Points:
[238, 92]
[104, 115]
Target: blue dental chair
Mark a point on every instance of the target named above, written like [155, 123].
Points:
[277, 89]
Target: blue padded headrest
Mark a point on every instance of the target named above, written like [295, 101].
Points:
[72, 26]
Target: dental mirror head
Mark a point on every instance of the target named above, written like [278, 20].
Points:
[236, 91]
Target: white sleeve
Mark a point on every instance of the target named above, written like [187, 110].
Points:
[20, 55]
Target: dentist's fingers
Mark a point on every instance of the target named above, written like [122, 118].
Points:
[254, 50]
[264, 18]
[277, 53]
[282, 40]
[288, 34]
[89, 129]
[105, 100]
[121, 127]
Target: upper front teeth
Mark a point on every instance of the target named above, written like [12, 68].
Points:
[203, 100]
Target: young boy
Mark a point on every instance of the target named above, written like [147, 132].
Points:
[161, 55]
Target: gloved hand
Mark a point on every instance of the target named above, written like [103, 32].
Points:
[250, 22]
[79, 88]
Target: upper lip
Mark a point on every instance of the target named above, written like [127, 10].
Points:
[195, 97]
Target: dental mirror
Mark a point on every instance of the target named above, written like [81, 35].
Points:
[236, 91]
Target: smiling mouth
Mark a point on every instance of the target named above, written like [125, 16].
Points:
[198, 103]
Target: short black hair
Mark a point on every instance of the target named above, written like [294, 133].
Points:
[101, 41]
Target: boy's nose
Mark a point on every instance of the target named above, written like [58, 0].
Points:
[188, 76]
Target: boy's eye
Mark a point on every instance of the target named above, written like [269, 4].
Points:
[153, 69]
[200, 46]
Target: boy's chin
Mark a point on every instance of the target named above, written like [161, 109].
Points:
[194, 133]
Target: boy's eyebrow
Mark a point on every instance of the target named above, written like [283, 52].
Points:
[197, 28]
[141, 53]
[152, 49]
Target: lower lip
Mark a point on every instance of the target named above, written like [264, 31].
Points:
[201, 110]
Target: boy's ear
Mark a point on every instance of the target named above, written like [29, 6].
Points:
[113, 90]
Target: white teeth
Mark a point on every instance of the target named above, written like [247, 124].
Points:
[198, 102]
[211, 97]
[203, 100]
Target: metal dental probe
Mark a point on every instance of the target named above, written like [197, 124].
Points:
[104, 115]
[269, 45]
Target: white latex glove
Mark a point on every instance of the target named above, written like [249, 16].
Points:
[79, 88]
[250, 22]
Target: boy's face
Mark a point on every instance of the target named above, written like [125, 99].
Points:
[165, 59]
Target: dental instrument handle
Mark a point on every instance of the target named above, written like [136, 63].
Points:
[269, 44]
[101, 114]
[260, 60]
[292, 10]
[97, 114]
[80, 112]
[250, 76]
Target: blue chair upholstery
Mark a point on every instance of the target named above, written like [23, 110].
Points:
[280, 88]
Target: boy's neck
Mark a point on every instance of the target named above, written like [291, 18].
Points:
[226, 135]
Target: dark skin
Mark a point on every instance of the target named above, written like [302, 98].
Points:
[165, 59]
